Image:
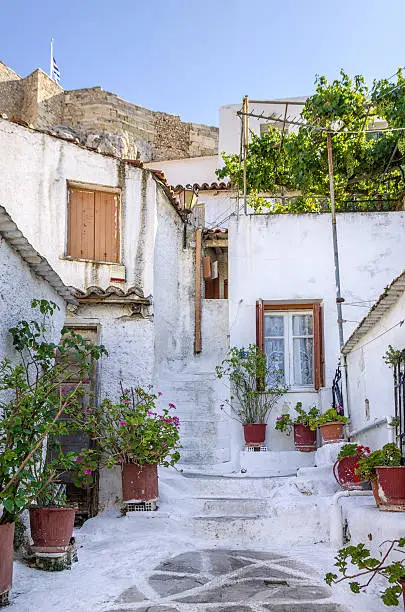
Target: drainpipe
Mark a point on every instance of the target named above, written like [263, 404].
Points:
[383, 421]
[336, 517]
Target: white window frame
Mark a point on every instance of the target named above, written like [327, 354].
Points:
[289, 346]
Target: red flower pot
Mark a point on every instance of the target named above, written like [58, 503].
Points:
[331, 432]
[304, 438]
[391, 488]
[6, 560]
[139, 482]
[255, 434]
[344, 470]
[51, 528]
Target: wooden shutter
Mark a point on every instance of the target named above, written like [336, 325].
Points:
[93, 225]
[81, 224]
[207, 267]
[226, 289]
[211, 289]
[318, 347]
[106, 227]
[260, 324]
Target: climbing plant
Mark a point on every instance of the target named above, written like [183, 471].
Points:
[368, 166]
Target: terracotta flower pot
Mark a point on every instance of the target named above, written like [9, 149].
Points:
[402, 583]
[139, 483]
[331, 432]
[6, 560]
[255, 434]
[391, 488]
[344, 470]
[51, 528]
[304, 438]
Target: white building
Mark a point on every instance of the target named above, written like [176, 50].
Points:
[373, 400]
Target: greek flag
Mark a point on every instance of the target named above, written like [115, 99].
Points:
[55, 71]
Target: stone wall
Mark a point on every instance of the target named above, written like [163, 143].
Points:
[102, 119]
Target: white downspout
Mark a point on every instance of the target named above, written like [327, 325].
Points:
[336, 518]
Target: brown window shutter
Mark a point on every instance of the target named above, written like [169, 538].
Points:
[207, 267]
[106, 223]
[260, 324]
[212, 289]
[226, 289]
[81, 224]
[318, 347]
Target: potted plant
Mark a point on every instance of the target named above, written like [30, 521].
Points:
[131, 433]
[256, 386]
[330, 424]
[304, 436]
[369, 568]
[32, 410]
[344, 469]
[389, 455]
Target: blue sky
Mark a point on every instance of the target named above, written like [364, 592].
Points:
[189, 57]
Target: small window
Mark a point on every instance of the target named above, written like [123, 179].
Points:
[93, 225]
[291, 338]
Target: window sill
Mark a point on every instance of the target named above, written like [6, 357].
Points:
[302, 390]
[95, 261]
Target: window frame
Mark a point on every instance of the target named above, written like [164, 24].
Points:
[91, 187]
[317, 312]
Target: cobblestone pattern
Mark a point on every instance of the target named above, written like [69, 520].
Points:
[230, 581]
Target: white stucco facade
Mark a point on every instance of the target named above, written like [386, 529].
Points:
[190, 170]
[370, 381]
[288, 258]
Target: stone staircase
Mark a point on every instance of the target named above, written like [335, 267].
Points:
[262, 509]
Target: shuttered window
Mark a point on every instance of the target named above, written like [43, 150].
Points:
[291, 336]
[93, 225]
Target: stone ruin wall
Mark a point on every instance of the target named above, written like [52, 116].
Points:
[102, 119]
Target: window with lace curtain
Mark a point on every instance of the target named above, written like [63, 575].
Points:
[291, 337]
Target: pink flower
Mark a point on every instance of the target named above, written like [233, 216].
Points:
[88, 410]
[172, 406]
[164, 444]
[126, 390]
[126, 401]
[122, 424]
[278, 418]
[64, 390]
[87, 472]
[85, 380]
[160, 393]
[78, 459]
[119, 459]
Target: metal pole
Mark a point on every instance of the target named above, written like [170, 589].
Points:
[51, 61]
[339, 298]
[245, 107]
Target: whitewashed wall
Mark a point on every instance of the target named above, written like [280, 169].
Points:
[189, 170]
[18, 287]
[290, 257]
[33, 185]
[369, 378]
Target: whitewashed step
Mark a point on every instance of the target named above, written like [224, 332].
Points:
[233, 506]
[203, 443]
[275, 463]
[286, 519]
[204, 457]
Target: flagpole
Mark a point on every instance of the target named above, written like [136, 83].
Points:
[51, 61]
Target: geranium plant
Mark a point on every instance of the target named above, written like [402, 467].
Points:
[389, 455]
[369, 568]
[131, 430]
[34, 407]
[353, 450]
[256, 384]
[285, 422]
[329, 416]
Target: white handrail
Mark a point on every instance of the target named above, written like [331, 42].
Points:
[376, 423]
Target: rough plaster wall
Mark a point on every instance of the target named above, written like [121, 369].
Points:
[33, 184]
[288, 257]
[370, 378]
[18, 287]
